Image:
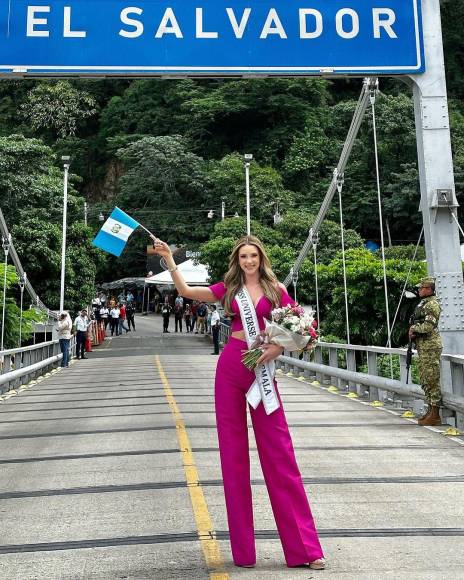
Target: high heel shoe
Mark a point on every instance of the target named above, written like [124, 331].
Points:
[317, 564]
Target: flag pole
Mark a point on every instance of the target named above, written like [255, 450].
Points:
[148, 231]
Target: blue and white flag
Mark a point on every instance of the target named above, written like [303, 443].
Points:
[115, 232]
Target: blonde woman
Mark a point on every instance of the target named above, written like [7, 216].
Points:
[249, 292]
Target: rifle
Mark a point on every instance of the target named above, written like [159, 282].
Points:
[409, 358]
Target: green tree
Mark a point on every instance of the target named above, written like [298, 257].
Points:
[366, 296]
[227, 178]
[39, 245]
[167, 185]
[13, 313]
[294, 230]
[216, 251]
[31, 183]
[58, 107]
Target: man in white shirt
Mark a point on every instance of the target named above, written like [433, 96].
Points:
[104, 315]
[81, 323]
[114, 320]
[215, 322]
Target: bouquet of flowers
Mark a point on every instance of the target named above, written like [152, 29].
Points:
[291, 327]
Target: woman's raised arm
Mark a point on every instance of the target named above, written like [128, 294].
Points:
[194, 292]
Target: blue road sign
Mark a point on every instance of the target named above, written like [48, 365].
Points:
[211, 37]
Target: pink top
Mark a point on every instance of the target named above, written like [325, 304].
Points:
[263, 307]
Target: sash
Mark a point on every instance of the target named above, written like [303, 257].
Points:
[263, 387]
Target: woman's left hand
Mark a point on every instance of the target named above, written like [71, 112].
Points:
[271, 351]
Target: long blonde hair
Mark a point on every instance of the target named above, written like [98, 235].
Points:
[235, 279]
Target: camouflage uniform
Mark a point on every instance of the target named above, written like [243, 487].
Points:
[429, 347]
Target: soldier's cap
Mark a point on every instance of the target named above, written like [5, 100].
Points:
[426, 282]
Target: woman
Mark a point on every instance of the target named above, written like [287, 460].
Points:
[64, 335]
[104, 314]
[250, 270]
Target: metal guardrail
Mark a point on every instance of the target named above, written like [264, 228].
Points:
[339, 365]
[20, 365]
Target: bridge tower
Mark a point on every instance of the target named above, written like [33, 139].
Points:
[438, 198]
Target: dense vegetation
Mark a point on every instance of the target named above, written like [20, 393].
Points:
[167, 152]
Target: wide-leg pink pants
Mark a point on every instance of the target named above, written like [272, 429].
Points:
[290, 505]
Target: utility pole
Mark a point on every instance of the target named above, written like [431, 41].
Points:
[66, 163]
[248, 158]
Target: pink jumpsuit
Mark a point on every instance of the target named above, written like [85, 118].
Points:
[290, 505]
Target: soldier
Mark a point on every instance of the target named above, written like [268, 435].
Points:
[424, 332]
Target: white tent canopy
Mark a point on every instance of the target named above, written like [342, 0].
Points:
[194, 274]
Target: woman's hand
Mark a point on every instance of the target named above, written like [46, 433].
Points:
[270, 352]
[161, 248]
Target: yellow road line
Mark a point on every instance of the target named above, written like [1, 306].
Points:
[209, 544]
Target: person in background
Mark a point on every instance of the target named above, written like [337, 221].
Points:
[64, 335]
[201, 313]
[188, 317]
[122, 298]
[209, 313]
[81, 323]
[424, 332]
[130, 315]
[114, 320]
[193, 321]
[179, 301]
[215, 325]
[122, 319]
[129, 297]
[178, 315]
[166, 313]
[104, 315]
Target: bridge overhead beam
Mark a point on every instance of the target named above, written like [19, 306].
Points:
[438, 196]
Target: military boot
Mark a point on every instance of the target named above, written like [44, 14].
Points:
[432, 419]
[425, 415]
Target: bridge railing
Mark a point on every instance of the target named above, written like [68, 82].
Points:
[20, 365]
[359, 369]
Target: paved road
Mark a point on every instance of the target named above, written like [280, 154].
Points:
[110, 470]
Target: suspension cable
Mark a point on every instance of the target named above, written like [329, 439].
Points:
[20, 271]
[373, 95]
[340, 181]
[407, 279]
[457, 223]
[356, 123]
[316, 284]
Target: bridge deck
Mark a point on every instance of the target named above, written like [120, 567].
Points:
[94, 485]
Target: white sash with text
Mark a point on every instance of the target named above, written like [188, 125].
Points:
[263, 388]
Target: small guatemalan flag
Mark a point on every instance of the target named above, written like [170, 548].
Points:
[115, 232]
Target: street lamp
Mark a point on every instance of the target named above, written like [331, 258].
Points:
[66, 163]
[210, 214]
[6, 242]
[22, 284]
[247, 159]
[101, 217]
